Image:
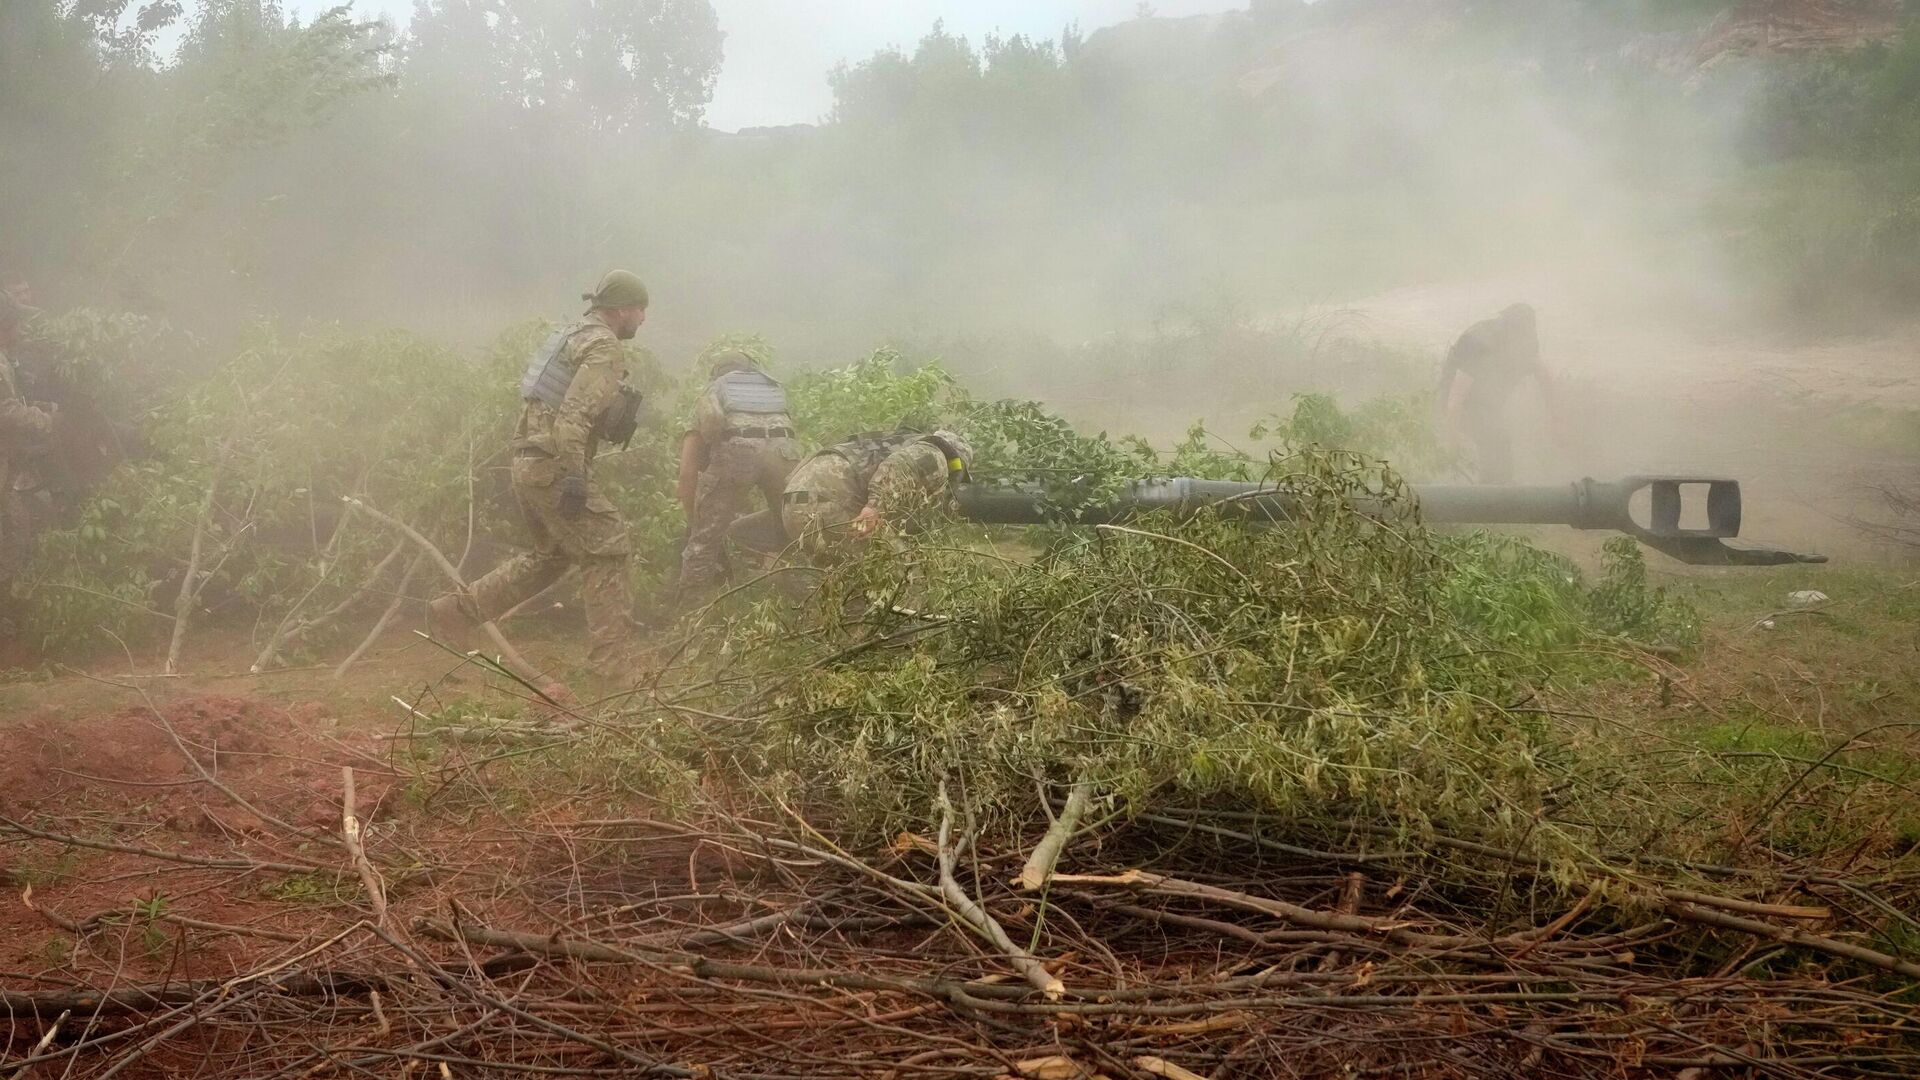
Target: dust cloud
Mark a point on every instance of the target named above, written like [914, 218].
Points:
[1153, 221]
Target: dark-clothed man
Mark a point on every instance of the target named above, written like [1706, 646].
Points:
[574, 396]
[1490, 361]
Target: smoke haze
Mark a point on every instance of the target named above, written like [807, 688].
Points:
[1148, 221]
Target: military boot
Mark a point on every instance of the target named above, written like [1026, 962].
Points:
[449, 623]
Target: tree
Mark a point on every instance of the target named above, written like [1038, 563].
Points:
[605, 66]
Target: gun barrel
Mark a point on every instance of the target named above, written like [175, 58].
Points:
[1689, 518]
[1184, 496]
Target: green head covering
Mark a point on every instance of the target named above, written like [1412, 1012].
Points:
[620, 288]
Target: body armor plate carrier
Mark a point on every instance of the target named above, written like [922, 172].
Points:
[548, 374]
[868, 449]
[751, 392]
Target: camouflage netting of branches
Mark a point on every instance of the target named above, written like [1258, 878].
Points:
[1341, 669]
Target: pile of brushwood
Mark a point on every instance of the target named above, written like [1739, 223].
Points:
[1158, 800]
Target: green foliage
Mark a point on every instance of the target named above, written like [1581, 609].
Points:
[881, 392]
[1517, 597]
[1623, 604]
[1015, 442]
[613, 67]
[1398, 428]
[282, 432]
[1324, 672]
[113, 359]
[1838, 198]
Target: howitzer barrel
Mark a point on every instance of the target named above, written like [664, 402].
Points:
[1689, 518]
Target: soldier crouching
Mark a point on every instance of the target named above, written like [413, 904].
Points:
[741, 440]
[839, 498]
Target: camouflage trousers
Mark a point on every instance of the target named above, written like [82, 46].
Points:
[823, 497]
[736, 469]
[596, 541]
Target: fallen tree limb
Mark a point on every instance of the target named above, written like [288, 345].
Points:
[1786, 935]
[509, 656]
[164, 856]
[137, 999]
[1029, 967]
[1046, 853]
[289, 631]
[385, 620]
[350, 834]
[1749, 907]
[46, 1039]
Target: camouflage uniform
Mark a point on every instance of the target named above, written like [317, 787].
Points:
[748, 445]
[900, 476]
[550, 444]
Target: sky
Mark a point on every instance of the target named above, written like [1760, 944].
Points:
[778, 52]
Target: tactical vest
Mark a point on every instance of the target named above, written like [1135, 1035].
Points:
[752, 393]
[868, 449]
[548, 373]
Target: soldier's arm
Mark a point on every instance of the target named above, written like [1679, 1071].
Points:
[696, 446]
[596, 381]
[693, 459]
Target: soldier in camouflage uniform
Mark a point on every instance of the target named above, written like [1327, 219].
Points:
[741, 440]
[575, 396]
[837, 499]
[22, 428]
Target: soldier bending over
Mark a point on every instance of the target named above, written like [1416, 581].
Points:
[741, 440]
[838, 498]
[1483, 369]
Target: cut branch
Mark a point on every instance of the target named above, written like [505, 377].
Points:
[291, 632]
[1046, 853]
[509, 656]
[190, 584]
[983, 922]
[386, 617]
[350, 833]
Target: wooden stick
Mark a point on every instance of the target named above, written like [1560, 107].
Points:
[1789, 936]
[509, 656]
[1750, 907]
[350, 832]
[984, 923]
[164, 856]
[290, 632]
[46, 1039]
[135, 999]
[190, 585]
[385, 620]
[1046, 853]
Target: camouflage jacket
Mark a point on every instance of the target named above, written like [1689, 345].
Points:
[599, 365]
[912, 478]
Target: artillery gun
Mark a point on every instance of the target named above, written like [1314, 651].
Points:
[1688, 518]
